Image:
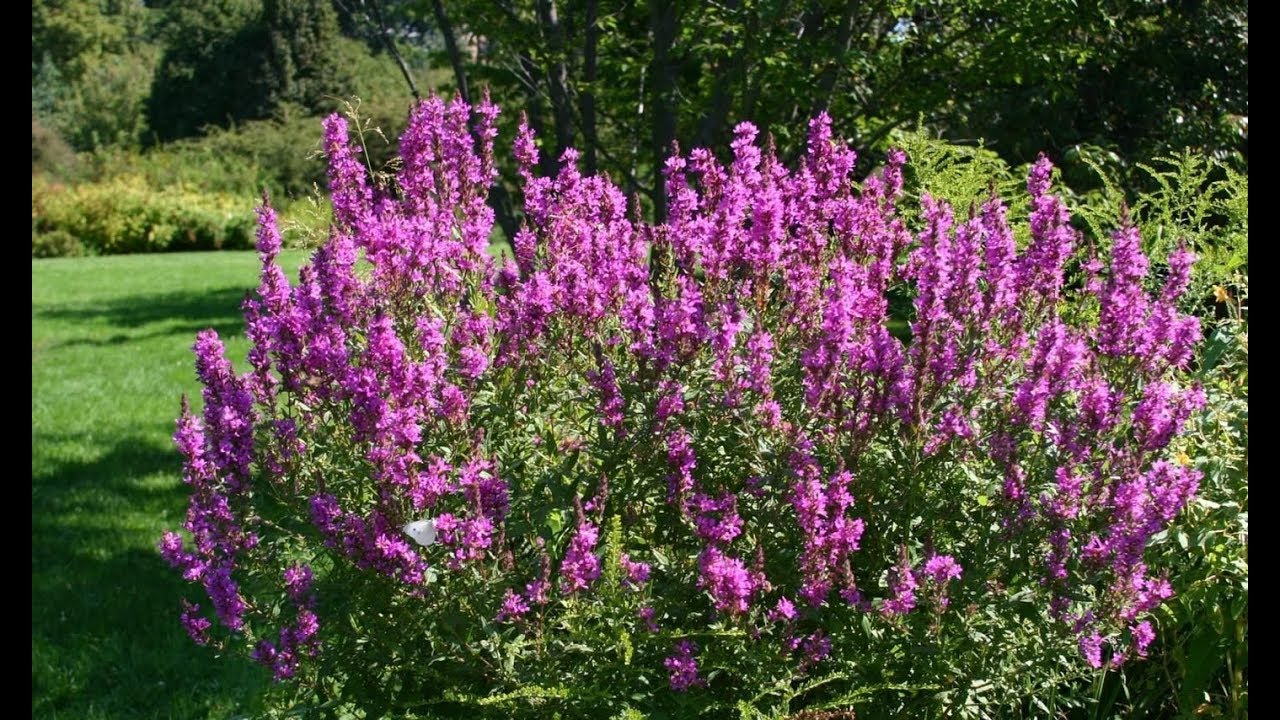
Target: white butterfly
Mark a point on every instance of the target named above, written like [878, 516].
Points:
[423, 531]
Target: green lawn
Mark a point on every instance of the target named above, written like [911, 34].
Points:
[110, 357]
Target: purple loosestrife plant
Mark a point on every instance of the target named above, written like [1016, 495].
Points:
[840, 441]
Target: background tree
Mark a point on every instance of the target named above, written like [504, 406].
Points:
[301, 65]
[91, 66]
[1137, 78]
[232, 60]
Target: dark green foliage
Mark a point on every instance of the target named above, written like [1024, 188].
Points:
[279, 156]
[106, 107]
[621, 80]
[1140, 78]
[207, 73]
[232, 60]
[301, 66]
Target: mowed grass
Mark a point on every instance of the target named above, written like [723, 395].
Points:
[110, 358]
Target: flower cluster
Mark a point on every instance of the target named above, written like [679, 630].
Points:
[683, 666]
[817, 410]
[297, 639]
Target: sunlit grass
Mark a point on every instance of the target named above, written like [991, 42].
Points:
[110, 358]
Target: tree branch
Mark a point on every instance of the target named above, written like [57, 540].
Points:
[376, 6]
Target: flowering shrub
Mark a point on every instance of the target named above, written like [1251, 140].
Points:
[780, 452]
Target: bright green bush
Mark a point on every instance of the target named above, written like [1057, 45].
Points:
[1187, 198]
[125, 214]
[1184, 198]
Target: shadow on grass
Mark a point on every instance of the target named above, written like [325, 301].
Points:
[225, 330]
[183, 312]
[104, 611]
[111, 479]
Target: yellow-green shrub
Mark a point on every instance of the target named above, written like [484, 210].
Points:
[125, 214]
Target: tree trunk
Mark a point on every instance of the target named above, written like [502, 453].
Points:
[728, 74]
[663, 25]
[590, 138]
[831, 73]
[451, 47]
[557, 75]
